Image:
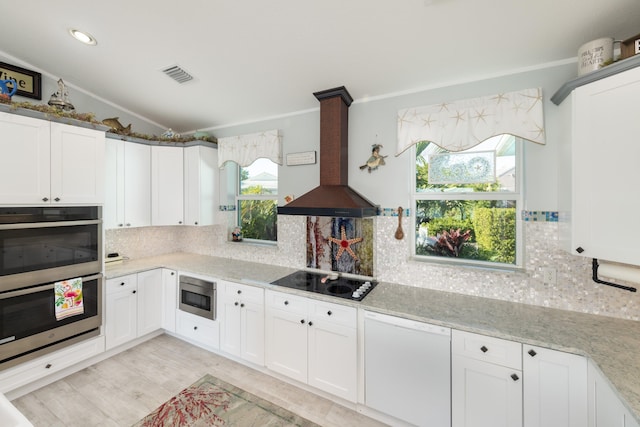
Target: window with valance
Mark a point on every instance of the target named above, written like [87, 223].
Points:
[253, 173]
[246, 149]
[468, 176]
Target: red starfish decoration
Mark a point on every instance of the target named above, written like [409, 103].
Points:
[344, 244]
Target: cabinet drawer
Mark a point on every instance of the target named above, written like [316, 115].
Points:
[117, 284]
[334, 313]
[33, 370]
[243, 292]
[287, 302]
[489, 349]
[198, 329]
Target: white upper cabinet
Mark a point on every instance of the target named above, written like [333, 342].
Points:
[128, 186]
[77, 164]
[200, 185]
[167, 185]
[599, 169]
[49, 163]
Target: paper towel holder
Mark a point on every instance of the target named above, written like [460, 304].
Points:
[595, 266]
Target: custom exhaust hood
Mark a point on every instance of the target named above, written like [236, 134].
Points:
[333, 197]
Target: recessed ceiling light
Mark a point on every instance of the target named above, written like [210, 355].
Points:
[83, 37]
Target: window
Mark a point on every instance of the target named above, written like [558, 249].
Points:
[257, 200]
[467, 203]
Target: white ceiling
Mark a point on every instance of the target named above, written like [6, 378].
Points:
[254, 59]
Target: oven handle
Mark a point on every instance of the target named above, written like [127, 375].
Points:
[21, 226]
[20, 292]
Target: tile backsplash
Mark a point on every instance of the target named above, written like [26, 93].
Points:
[574, 289]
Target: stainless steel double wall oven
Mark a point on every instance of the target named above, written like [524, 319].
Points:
[40, 246]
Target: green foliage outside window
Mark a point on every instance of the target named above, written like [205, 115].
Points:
[258, 218]
[496, 233]
[457, 221]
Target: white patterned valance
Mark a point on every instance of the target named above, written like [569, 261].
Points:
[459, 125]
[246, 149]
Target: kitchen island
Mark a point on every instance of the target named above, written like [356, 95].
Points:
[612, 344]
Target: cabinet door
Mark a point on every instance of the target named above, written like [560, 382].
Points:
[252, 334]
[77, 164]
[113, 210]
[24, 160]
[167, 192]
[121, 326]
[150, 302]
[555, 388]
[286, 348]
[200, 185]
[484, 394]
[230, 324]
[333, 363]
[242, 321]
[605, 406]
[137, 185]
[170, 299]
[605, 153]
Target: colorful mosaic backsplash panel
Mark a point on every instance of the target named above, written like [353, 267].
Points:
[340, 244]
[540, 216]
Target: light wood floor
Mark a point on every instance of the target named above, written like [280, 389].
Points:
[123, 389]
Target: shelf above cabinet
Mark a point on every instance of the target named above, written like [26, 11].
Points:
[34, 114]
[169, 143]
[610, 70]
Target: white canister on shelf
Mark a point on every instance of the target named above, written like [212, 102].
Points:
[594, 54]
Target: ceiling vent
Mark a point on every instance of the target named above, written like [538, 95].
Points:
[177, 74]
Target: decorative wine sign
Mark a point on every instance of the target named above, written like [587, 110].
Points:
[29, 82]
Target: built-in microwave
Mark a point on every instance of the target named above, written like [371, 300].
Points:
[197, 296]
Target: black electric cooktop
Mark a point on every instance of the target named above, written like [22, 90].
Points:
[342, 287]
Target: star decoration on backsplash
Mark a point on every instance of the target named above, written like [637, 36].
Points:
[344, 244]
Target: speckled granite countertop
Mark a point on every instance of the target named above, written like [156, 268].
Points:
[613, 344]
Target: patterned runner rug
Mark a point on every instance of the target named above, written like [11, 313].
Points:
[213, 402]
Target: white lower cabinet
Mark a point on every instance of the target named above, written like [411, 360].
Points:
[605, 407]
[133, 306]
[555, 388]
[198, 330]
[313, 342]
[497, 382]
[242, 321]
[486, 381]
[150, 301]
[170, 299]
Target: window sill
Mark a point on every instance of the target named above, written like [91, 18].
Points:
[254, 242]
[468, 264]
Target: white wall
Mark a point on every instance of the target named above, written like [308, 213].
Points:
[374, 121]
[84, 102]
